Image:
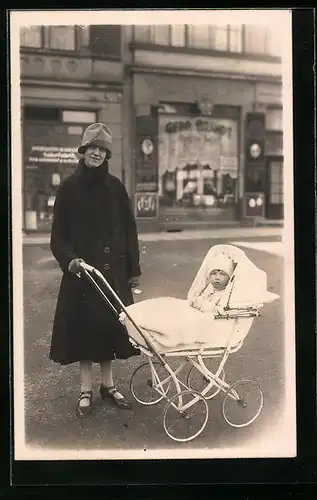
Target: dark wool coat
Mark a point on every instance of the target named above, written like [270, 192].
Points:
[93, 220]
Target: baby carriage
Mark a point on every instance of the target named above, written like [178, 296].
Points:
[168, 330]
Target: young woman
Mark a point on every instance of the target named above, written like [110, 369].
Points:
[93, 221]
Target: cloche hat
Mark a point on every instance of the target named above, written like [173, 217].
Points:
[99, 135]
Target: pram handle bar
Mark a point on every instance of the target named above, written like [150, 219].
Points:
[238, 313]
[90, 272]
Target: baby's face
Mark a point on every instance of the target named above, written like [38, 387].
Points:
[219, 279]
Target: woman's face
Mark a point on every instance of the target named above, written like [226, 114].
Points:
[94, 156]
[219, 279]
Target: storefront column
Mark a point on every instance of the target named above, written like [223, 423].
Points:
[110, 114]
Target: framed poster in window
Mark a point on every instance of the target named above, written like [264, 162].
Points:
[146, 205]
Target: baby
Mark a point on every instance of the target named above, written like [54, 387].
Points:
[208, 299]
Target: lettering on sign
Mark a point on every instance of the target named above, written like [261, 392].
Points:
[198, 125]
[52, 154]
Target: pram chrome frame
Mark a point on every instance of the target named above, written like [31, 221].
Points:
[193, 357]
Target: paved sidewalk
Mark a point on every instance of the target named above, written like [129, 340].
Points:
[50, 391]
[201, 234]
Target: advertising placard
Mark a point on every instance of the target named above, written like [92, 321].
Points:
[146, 205]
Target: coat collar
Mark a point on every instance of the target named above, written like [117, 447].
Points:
[82, 172]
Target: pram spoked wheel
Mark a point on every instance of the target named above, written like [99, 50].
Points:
[185, 416]
[197, 381]
[150, 383]
[243, 403]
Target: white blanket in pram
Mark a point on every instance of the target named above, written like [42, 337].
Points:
[174, 322]
[170, 322]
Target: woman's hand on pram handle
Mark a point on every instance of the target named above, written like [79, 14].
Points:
[122, 317]
[74, 266]
[135, 281]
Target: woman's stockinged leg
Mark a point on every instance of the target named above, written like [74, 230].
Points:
[106, 377]
[85, 368]
[108, 389]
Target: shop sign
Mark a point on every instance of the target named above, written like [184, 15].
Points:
[205, 141]
[197, 125]
[52, 154]
[146, 205]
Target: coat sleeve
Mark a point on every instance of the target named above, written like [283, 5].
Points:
[133, 251]
[60, 235]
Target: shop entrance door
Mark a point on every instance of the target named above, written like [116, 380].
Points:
[275, 188]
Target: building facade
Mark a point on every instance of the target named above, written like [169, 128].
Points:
[194, 89]
[71, 76]
[177, 99]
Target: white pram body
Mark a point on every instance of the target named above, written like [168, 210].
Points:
[166, 327]
[172, 324]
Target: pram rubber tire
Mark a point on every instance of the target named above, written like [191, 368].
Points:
[148, 382]
[240, 402]
[171, 403]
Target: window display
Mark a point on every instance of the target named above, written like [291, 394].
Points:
[198, 161]
[50, 155]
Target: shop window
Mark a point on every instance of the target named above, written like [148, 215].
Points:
[72, 116]
[31, 36]
[62, 37]
[50, 155]
[34, 113]
[198, 161]
[105, 40]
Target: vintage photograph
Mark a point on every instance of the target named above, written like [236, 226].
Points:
[152, 234]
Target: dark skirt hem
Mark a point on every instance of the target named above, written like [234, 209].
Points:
[64, 362]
